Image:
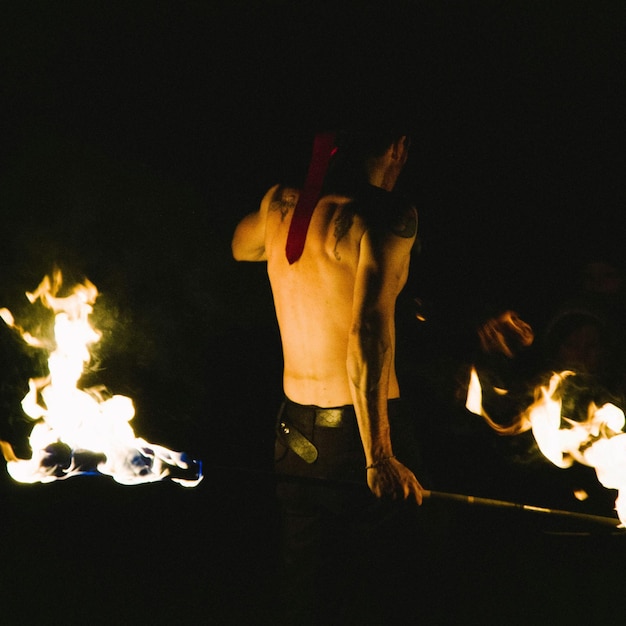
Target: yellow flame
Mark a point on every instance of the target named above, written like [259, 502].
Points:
[81, 421]
[474, 404]
[545, 419]
[474, 400]
[598, 442]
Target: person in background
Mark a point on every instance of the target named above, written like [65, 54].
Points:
[585, 333]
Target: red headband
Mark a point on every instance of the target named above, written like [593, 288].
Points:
[323, 150]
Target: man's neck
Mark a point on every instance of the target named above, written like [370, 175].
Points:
[383, 173]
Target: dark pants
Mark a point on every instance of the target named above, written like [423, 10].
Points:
[341, 545]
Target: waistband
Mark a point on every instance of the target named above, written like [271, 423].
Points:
[330, 417]
[300, 426]
[325, 417]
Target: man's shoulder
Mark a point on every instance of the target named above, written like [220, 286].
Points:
[403, 221]
[390, 212]
[281, 199]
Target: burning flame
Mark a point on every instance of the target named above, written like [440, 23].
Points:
[474, 404]
[598, 441]
[80, 431]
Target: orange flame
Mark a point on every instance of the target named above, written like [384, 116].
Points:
[598, 441]
[474, 404]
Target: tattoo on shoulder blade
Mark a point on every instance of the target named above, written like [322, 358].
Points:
[284, 201]
[343, 222]
[405, 224]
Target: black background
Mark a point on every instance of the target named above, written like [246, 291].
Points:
[133, 138]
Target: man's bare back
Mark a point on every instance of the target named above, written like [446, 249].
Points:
[314, 297]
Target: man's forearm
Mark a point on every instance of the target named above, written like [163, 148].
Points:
[369, 363]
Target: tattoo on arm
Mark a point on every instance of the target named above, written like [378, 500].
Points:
[405, 224]
[283, 201]
[343, 223]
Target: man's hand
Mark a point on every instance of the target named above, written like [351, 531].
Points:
[507, 333]
[391, 479]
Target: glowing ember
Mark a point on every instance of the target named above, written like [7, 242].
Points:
[597, 441]
[79, 431]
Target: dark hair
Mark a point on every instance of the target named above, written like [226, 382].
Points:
[355, 146]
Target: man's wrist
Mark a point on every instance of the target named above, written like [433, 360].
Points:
[381, 461]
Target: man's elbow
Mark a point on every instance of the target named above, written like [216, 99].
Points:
[368, 339]
[237, 251]
[240, 256]
[245, 253]
[240, 245]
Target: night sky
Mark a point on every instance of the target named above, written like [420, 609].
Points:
[134, 135]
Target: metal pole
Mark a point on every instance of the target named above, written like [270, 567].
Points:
[489, 502]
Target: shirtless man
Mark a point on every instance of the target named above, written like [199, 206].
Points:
[335, 305]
